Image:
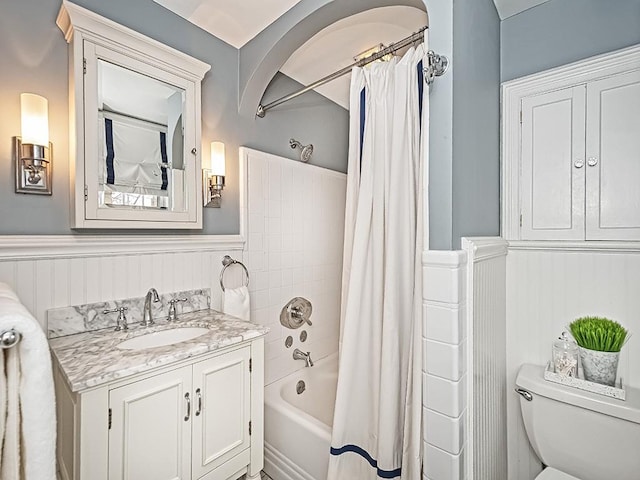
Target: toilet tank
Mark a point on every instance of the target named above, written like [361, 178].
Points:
[587, 435]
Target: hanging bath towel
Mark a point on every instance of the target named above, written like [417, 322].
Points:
[236, 302]
[27, 397]
[377, 422]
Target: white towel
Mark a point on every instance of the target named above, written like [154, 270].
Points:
[235, 301]
[29, 430]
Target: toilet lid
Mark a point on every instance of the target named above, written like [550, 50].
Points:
[553, 474]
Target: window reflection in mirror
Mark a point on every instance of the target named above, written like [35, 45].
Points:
[141, 138]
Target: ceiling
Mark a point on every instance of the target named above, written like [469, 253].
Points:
[237, 22]
[234, 21]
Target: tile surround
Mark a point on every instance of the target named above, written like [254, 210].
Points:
[294, 248]
[444, 379]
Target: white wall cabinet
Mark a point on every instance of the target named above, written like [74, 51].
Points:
[571, 152]
[135, 127]
[199, 420]
[613, 158]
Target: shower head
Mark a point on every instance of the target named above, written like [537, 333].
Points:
[306, 150]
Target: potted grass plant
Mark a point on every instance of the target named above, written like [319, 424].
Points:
[600, 341]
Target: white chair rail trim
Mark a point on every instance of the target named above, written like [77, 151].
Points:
[16, 247]
[576, 246]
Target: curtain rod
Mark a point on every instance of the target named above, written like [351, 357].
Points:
[417, 37]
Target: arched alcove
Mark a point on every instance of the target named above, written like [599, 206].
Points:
[262, 57]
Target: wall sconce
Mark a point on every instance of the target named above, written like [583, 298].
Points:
[33, 153]
[213, 173]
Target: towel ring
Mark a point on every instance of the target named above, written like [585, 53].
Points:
[226, 261]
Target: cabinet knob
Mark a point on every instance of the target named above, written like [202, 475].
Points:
[592, 162]
[578, 163]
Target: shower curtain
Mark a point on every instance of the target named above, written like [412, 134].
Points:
[377, 421]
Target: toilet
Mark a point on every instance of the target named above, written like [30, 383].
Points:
[580, 435]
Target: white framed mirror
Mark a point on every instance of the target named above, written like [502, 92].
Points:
[135, 114]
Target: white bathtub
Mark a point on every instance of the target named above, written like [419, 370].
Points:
[297, 429]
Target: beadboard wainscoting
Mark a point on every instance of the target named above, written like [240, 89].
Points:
[59, 271]
[486, 362]
[444, 366]
[294, 249]
[547, 287]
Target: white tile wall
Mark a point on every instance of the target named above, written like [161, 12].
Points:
[295, 239]
[546, 289]
[444, 365]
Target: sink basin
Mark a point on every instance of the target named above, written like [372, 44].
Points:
[162, 338]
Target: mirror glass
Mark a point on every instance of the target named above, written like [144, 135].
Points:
[141, 141]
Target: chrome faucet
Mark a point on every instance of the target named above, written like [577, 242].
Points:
[300, 355]
[147, 316]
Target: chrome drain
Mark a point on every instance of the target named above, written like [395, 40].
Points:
[300, 387]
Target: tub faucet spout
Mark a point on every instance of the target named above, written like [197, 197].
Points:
[300, 355]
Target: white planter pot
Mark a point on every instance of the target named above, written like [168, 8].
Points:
[599, 367]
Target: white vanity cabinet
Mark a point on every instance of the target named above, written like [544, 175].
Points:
[149, 430]
[135, 127]
[571, 152]
[198, 420]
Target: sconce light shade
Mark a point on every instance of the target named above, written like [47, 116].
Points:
[217, 159]
[34, 119]
[33, 151]
[213, 173]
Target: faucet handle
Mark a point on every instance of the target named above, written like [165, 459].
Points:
[173, 314]
[122, 318]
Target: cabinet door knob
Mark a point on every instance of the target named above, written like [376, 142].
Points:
[578, 163]
[592, 162]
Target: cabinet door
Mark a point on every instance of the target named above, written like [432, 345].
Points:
[222, 409]
[613, 158]
[150, 435]
[553, 165]
[139, 132]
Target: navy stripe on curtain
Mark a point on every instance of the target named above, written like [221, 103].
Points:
[364, 454]
[363, 100]
[108, 133]
[420, 89]
[163, 152]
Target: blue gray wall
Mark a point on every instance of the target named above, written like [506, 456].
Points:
[476, 119]
[563, 31]
[472, 183]
[33, 58]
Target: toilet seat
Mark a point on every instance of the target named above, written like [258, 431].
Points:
[553, 474]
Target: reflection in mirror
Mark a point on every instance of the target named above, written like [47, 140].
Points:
[141, 141]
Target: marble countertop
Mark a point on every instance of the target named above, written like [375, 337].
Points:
[93, 358]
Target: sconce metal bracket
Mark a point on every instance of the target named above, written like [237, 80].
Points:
[33, 175]
[212, 186]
